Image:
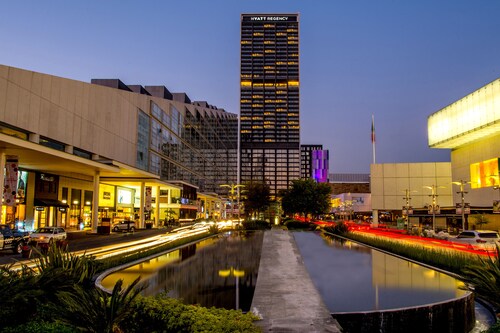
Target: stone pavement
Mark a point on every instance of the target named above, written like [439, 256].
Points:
[285, 296]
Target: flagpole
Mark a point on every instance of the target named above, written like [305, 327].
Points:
[373, 138]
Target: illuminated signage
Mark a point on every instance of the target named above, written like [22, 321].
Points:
[270, 18]
[484, 174]
[124, 196]
[106, 195]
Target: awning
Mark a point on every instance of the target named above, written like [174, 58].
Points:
[49, 203]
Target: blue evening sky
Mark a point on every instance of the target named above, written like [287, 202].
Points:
[399, 60]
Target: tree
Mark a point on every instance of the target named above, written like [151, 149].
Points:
[305, 197]
[257, 197]
[480, 220]
[169, 214]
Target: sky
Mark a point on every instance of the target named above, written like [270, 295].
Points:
[398, 60]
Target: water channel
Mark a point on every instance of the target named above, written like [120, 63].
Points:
[354, 278]
[222, 271]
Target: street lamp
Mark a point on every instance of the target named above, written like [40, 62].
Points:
[232, 188]
[434, 204]
[407, 207]
[462, 192]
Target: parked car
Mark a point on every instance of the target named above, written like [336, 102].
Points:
[47, 235]
[478, 239]
[11, 239]
[124, 226]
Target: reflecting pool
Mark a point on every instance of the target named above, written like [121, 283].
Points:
[220, 271]
[354, 278]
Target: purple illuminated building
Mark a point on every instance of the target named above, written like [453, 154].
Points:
[314, 163]
[319, 167]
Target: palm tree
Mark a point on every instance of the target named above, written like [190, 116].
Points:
[94, 310]
[483, 278]
[169, 214]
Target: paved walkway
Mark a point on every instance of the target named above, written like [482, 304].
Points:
[285, 296]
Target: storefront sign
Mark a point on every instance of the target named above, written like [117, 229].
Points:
[106, 195]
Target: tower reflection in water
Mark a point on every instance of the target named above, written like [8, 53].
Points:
[219, 271]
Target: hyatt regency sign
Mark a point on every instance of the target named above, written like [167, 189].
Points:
[273, 18]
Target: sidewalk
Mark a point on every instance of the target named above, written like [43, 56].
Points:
[285, 296]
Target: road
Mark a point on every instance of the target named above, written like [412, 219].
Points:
[84, 241]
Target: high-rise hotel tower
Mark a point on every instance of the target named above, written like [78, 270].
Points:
[269, 99]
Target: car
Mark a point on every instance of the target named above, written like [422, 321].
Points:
[47, 235]
[124, 226]
[478, 239]
[12, 239]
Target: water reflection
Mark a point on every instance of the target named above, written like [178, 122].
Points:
[220, 271]
[354, 278]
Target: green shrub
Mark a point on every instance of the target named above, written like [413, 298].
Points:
[164, 314]
[441, 258]
[294, 224]
[340, 228]
[39, 327]
[256, 225]
[483, 278]
[213, 229]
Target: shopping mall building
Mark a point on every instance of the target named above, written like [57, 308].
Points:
[468, 186]
[84, 154]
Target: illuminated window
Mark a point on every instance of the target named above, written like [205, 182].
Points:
[484, 174]
[269, 51]
[246, 83]
[258, 34]
[293, 83]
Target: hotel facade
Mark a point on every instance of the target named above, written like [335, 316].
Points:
[269, 100]
[80, 154]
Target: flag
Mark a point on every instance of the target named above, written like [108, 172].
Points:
[373, 130]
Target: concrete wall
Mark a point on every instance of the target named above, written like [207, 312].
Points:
[390, 181]
[454, 316]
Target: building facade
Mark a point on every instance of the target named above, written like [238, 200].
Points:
[470, 128]
[424, 191]
[320, 165]
[306, 160]
[269, 99]
[79, 153]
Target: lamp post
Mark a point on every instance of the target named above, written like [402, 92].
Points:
[408, 207]
[434, 205]
[233, 188]
[462, 192]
